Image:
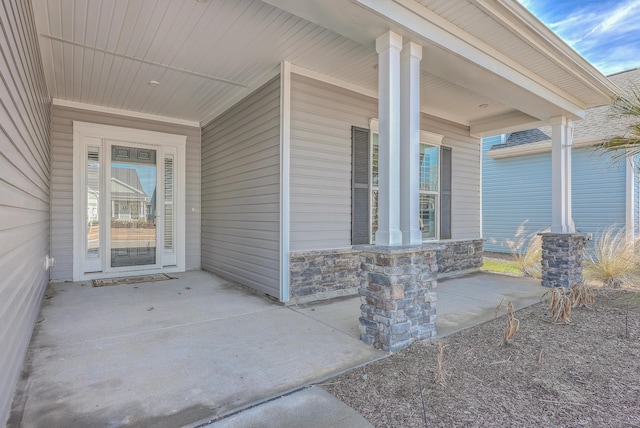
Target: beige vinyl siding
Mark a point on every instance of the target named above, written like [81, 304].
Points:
[241, 191]
[321, 120]
[465, 175]
[25, 167]
[320, 183]
[62, 181]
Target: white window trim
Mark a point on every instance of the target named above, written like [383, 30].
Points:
[426, 137]
[175, 144]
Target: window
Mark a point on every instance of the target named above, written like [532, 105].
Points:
[434, 187]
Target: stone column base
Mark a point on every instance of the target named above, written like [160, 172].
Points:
[562, 259]
[398, 296]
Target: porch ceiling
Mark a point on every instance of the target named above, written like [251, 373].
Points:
[208, 55]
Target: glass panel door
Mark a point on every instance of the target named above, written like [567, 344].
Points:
[133, 183]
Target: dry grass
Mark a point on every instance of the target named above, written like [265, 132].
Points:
[441, 373]
[513, 325]
[527, 251]
[582, 295]
[614, 261]
[560, 304]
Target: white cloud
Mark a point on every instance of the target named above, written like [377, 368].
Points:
[608, 37]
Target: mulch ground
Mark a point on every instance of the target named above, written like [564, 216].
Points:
[585, 373]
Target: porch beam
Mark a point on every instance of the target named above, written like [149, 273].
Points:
[388, 47]
[561, 142]
[410, 143]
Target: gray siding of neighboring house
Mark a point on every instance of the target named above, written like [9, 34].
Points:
[321, 119]
[518, 189]
[62, 181]
[25, 168]
[241, 191]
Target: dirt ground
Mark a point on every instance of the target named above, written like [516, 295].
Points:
[585, 373]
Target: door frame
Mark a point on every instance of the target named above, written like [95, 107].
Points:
[91, 134]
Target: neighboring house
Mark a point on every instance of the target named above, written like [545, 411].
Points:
[128, 199]
[516, 179]
[261, 118]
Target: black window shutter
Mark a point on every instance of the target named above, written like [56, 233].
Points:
[445, 193]
[359, 186]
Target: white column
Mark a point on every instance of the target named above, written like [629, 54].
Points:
[388, 47]
[410, 143]
[561, 142]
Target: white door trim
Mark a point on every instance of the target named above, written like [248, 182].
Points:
[85, 134]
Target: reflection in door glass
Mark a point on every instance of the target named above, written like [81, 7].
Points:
[133, 206]
[93, 203]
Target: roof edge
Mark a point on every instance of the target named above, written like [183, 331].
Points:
[548, 43]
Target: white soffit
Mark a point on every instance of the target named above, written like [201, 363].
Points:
[207, 56]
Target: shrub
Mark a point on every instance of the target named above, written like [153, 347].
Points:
[614, 261]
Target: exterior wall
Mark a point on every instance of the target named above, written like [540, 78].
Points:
[62, 181]
[241, 191]
[458, 257]
[518, 189]
[324, 274]
[320, 183]
[465, 180]
[321, 119]
[320, 218]
[25, 169]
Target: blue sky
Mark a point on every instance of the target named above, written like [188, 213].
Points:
[605, 32]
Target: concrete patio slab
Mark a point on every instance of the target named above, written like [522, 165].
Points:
[471, 299]
[190, 351]
[310, 408]
[170, 353]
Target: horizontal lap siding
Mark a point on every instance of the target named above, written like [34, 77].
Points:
[599, 191]
[321, 119]
[241, 191]
[62, 181]
[517, 190]
[25, 168]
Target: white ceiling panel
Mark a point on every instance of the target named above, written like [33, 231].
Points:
[208, 55]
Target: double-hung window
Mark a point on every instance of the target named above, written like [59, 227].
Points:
[434, 187]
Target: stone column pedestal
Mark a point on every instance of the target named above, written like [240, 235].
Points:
[562, 259]
[398, 295]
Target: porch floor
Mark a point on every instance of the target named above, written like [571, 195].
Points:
[172, 353]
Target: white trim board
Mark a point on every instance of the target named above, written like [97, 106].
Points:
[533, 148]
[121, 112]
[174, 144]
[285, 173]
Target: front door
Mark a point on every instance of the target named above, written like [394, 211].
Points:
[132, 192]
[129, 211]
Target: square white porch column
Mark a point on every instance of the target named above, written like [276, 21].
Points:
[561, 142]
[410, 143]
[388, 47]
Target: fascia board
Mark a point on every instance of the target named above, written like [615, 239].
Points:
[433, 28]
[504, 123]
[547, 43]
[534, 148]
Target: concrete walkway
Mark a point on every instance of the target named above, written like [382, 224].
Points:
[191, 351]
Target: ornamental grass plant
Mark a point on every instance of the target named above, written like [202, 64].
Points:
[614, 261]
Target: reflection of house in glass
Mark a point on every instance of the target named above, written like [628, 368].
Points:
[128, 199]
